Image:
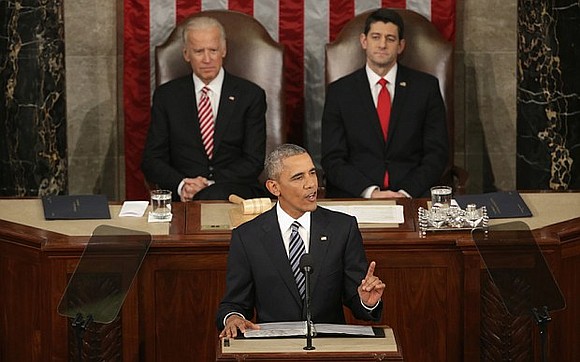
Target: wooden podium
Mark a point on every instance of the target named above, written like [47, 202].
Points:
[439, 298]
[327, 349]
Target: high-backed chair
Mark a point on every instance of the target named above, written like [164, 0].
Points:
[251, 54]
[426, 50]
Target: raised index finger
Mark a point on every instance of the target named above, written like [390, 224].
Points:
[371, 270]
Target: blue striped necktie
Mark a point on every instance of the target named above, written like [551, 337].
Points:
[297, 249]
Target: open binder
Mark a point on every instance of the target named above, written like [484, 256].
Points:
[299, 329]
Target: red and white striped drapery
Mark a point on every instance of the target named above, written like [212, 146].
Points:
[302, 26]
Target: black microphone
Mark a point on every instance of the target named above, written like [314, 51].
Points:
[306, 263]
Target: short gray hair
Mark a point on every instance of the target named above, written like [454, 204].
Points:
[202, 22]
[273, 164]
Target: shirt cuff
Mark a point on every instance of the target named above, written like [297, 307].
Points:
[180, 187]
[367, 193]
[231, 314]
[370, 309]
[406, 194]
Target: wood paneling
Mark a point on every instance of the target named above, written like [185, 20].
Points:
[20, 280]
[438, 300]
[182, 305]
[566, 322]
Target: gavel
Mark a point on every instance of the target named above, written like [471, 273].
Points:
[252, 206]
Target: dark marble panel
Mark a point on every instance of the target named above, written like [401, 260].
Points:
[548, 97]
[33, 145]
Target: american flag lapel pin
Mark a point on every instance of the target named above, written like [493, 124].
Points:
[232, 98]
[323, 238]
[403, 84]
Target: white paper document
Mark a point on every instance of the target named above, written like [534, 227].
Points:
[372, 214]
[277, 329]
[349, 329]
[133, 208]
[290, 329]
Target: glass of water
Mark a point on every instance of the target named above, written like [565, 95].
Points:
[441, 196]
[161, 204]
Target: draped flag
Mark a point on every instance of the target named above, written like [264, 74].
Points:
[302, 26]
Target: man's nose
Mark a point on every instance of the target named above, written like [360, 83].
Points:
[311, 181]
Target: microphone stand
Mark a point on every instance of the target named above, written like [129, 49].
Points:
[542, 317]
[80, 326]
[309, 346]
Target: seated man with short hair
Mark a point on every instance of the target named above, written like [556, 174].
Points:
[384, 130]
[207, 137]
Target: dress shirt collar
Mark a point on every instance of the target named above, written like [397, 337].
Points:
[285, 220]
[215, 85]
[391, 76]
[374, 78]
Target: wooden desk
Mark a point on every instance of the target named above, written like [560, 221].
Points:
[437, 299]
[327, 349]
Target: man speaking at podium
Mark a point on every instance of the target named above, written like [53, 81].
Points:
[263, 273]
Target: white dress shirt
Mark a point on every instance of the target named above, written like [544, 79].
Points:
[285, 223]
[374, 78]
[215, 90]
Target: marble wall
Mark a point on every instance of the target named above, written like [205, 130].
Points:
[486, 108]
[61, 129]
[33, 152]
[548, 95]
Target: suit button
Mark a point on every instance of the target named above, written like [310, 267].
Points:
[210, 176]
[210, 168]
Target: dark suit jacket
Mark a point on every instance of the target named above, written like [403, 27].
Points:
[174, 149]
[354, 153]
[259, 274]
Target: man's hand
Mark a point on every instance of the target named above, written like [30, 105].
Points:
[386, 194]
[371, 288]
[235, 322]
[192, 186]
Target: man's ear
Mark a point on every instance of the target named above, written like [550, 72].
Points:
[272, 186]
[363, 40]
[401, 46]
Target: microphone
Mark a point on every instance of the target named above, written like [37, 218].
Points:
[306, 263]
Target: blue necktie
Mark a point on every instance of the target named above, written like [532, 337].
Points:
[297, 249]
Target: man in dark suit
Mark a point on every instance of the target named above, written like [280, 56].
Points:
[260, 276]
[207, 137]
[383, 142]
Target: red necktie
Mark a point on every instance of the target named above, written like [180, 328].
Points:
[206, 123]
[384, 111]
[384, 106]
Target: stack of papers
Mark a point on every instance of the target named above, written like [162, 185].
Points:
[133, 208]
[372, 214]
